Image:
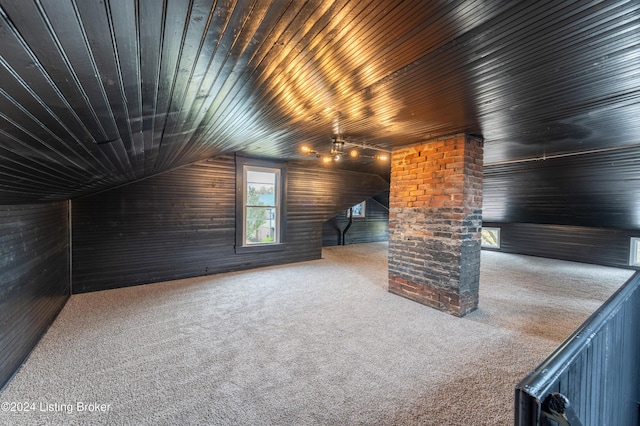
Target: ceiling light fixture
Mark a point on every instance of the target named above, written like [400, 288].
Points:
[337, 148]
[338, 142]
[337, 151]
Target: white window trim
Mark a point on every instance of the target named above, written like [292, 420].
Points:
[358, 216]
[634, 259]
[278, 184]
[499, 237]
[242, 165]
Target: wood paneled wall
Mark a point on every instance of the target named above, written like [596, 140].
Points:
[601, 246]
[34, 277]
[599, 190]
[573, 208]
[596, 368]
[371, 228]
[182, 224]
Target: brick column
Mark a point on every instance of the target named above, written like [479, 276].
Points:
[435, 220]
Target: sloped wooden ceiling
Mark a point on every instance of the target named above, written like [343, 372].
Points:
[96, 93]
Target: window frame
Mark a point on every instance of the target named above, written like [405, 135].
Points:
[634, 256]
[243, 165]
[492, 228]
[363, 211]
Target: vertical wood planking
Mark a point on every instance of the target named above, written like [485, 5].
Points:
[34, 277]
[596, 368]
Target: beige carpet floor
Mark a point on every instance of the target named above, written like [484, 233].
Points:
[313, 343]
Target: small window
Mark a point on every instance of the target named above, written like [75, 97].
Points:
[491, 237]
[261, 212]
[634, 258]
[358, 210]
[260, 205]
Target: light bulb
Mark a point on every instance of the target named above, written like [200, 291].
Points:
[353, 153]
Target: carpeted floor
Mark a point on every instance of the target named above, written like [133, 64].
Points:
[313, 343]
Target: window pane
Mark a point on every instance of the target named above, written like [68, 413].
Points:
[261, 206]
[634, 257]
[491, 237]
[261, 225]
[261, 188]
[358, 210]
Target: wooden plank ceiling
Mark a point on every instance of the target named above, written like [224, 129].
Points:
[96, 93]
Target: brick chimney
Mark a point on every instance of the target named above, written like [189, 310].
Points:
[435, 221]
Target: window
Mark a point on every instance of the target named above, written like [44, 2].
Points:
[634, 257]
[259, 205]
[261, 196]
[358, 210]
[491, 237]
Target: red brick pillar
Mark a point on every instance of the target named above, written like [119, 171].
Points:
[435, 220]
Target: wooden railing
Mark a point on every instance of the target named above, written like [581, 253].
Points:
[593, 378]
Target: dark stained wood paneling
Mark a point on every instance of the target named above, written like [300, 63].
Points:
[34, 277]
[596, 368]
[582, 207]
[160, 228]
[602, 246]
[182, 224]
[599, 190]
[96, 94]
[371, 228]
